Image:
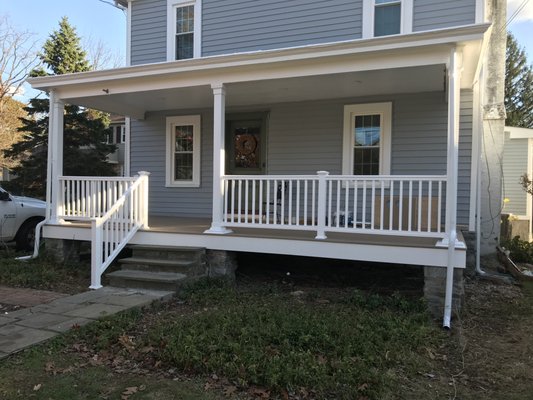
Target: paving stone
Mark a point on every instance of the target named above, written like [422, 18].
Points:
[129, 300]
[68, 324]
[21, 339]
[19, 313]
[94, 311]
[87, 297]
[6, 320]
[23, 328]
[10, 329]
[43, 320]
[57, 308]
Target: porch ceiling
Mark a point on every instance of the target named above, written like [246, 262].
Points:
[402, 63]
[265, 92]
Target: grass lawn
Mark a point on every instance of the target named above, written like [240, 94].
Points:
[262, 340]
[43, 273]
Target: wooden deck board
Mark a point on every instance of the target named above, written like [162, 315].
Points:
[199, 225]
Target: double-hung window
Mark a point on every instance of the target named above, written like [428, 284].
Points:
[367, 139]
[183, 151]
[184, 28]
[184, 32]
[387, 17]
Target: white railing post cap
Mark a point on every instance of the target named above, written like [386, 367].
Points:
[143, 173]
[322, 173]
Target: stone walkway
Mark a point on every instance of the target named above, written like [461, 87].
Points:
[57, 313]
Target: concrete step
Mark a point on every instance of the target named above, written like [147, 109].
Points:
[168, 253]
[169, 281]
[158, 265]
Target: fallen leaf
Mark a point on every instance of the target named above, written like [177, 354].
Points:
[229, 390]
[126, 341]
[262, 393]
[49, 367]
[130, 390]
[37, 387]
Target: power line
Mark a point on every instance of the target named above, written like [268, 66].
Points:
[514, 15]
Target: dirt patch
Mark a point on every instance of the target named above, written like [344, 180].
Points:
[495, 342]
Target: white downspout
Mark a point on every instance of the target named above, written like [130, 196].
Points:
[454, 93]
[479, 123]
[48, 212]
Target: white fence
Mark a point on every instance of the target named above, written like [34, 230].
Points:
[394, 205]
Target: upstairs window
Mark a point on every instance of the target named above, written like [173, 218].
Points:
[387, 17]
[183, 29]
[184, 32]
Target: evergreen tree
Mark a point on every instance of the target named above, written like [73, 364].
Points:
[518, 86]
[85, 131]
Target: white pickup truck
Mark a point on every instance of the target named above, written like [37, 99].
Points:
[18, 218]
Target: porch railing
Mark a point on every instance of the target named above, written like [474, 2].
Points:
[85, 198]
[390, 205]
[116, 207]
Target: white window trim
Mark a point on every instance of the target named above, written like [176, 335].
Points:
[352, 110]
[193, 120]
[171, 27]
[406, 24]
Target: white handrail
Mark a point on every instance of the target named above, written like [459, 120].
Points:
[111, 232]
[410, 205]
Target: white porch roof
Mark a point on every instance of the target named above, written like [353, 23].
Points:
[395, 64]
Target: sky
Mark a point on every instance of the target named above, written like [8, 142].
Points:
[96, 21]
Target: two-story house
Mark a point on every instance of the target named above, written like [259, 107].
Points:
[326, 128]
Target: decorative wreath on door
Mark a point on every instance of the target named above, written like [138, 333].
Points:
[245, 144]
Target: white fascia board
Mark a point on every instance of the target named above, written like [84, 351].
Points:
[419, 41]
[519, 133]
[423, 256]
[332, 65]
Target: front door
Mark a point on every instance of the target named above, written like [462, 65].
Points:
[246, 144]
[245, 155]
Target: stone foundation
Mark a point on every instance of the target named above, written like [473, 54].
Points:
[221, 264]
[63, 251]
[435, 290]
[470, 241]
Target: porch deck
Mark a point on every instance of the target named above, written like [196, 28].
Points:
[175, 231]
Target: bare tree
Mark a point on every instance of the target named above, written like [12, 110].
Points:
[17, 59]
[101, 56]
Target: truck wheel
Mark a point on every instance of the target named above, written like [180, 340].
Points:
[26, 235]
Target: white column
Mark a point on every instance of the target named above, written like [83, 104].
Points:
[55, 154]
[127, 147]
[321, 207]
[219, 160]
[454, 98]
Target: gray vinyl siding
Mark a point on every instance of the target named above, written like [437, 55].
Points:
[148, 151]
[514, 165]
[306, 137]
[435, 14]
[148, 31]
[231, 26]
